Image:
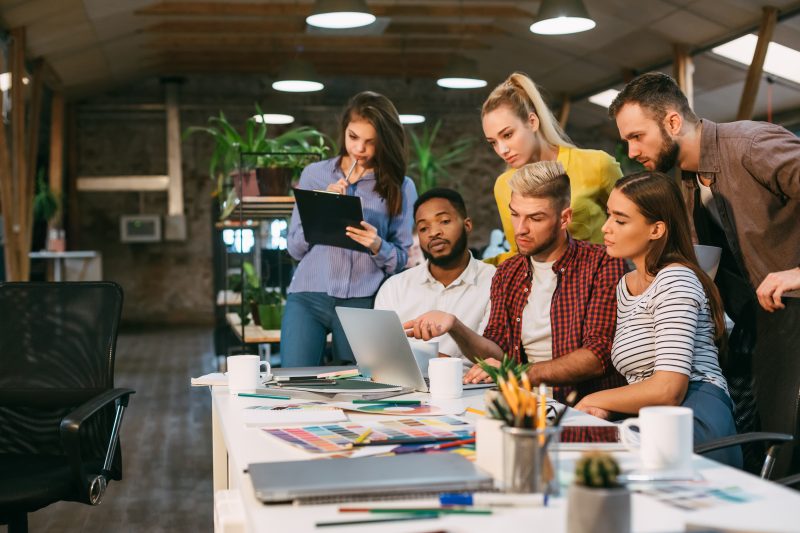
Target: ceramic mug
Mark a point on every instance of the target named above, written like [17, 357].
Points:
[665, 437]
[244, 373]
[445, 375]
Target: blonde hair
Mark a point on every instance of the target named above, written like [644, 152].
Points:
[520, 94]
[545, 179]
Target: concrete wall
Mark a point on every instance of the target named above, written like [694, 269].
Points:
[125, 133]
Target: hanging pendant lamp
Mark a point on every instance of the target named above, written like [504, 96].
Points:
[340, 14]
[560, 17]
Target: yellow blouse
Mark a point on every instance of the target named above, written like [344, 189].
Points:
[592, 175]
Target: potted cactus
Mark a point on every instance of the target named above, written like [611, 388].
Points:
[597, 503]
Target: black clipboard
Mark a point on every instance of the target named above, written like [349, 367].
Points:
[325, 216]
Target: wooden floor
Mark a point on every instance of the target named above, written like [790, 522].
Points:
[166, 442]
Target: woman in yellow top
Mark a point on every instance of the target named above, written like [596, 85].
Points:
[522, 130]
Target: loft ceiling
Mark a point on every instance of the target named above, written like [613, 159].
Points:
[95, 45]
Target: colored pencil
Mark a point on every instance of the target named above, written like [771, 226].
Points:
[361, 438]
[388, 402]
[415, 510]
[426, 516]
[270, 396]
[476, 411]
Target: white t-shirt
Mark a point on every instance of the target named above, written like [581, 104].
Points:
[667, 327]
[707, 199]
[537, 336]
[415, 291]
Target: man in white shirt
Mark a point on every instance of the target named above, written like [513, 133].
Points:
[450, 280]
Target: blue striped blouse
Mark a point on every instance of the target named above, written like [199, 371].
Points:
[345, 273]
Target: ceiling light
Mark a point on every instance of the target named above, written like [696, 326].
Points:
[273, 118]
[340, 14]
[297, 77]
[780, 61]
[411, 119]
[559, 17]
[604, 98]
[461, 73]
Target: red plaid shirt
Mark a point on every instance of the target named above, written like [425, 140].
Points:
[583, 312]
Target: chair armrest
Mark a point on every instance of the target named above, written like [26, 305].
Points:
[70, 434]
[744, 438]
[791, 481]
[71, 423]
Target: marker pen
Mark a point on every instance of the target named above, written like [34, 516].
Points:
[490, 499]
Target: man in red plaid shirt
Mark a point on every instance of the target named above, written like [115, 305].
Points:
[553, 304]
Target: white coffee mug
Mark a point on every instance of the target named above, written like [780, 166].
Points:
[665, 437]
[423, 352]
[243, 373]
[445, 376]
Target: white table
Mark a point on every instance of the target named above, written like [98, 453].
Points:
[90, 262]
[236, 445]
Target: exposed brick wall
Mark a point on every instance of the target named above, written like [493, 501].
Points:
[172, 281]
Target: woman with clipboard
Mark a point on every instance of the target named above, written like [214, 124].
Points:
[372, 166]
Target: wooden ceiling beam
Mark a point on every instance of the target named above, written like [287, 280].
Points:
[406, 9]
[440, 28]
[372, 69]
[308, 43]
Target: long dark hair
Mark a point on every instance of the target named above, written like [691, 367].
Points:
[390, 144]
[658, 198]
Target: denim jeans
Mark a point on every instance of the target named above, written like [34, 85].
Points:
[308, 317]
[713, 419]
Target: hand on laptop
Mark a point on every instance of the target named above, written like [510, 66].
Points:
[477, 375]
[430, 325]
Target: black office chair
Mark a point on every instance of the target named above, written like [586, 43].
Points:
[59, 411]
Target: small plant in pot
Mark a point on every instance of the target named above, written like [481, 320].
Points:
[270, 308]
[597, 503]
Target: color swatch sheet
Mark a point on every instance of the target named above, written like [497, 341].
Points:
[385, 408]
[338, 437]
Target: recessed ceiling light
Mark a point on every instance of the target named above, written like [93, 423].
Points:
[560, 17]
[340, 14]
[411, 119]
[604, 98]
[780, 61]
[274, 118]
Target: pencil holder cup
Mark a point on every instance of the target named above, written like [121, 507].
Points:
[489, 447]
[530, 460]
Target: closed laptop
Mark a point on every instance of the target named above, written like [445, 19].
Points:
[281, 482]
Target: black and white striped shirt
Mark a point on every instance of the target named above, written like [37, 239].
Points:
[667, 327]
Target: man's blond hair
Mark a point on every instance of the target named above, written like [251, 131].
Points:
[545, 179]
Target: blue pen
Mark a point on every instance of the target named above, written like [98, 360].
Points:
[491, 499]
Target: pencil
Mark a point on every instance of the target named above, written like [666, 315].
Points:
[361, 438]
[414, 510]
[476, 411]
[388, 402]
[270, 396]
[425, 516]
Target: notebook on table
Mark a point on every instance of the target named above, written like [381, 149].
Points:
[325, 215]
[281, 482]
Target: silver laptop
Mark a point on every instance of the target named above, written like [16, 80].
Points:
[381, 346]
[365, 477]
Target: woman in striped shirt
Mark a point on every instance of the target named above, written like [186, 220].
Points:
[669, 314]
[371, 165]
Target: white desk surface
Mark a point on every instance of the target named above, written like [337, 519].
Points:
[774, 508]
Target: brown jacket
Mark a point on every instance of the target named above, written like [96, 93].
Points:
[754, 168]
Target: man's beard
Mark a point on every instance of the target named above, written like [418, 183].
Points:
[544, 246]
[668, 155]
[455, 255]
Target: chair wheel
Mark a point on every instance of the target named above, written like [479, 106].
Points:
[97, 490]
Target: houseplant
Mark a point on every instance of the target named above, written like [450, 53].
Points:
[266, 306]
[430, 162]
[292, 150]
[597, 503]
